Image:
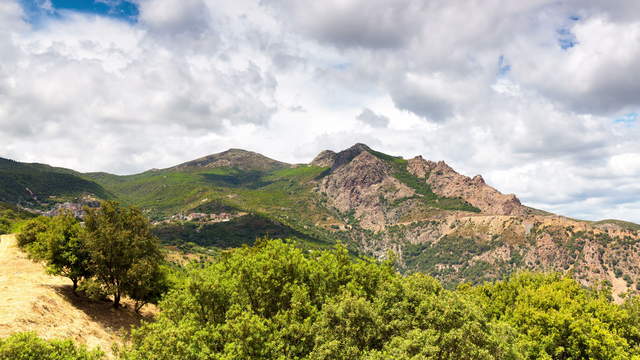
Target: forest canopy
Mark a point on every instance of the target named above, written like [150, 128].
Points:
[275, 301]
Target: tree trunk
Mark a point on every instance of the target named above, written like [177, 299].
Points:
[116, 299]
[139, 305]
[75, 286]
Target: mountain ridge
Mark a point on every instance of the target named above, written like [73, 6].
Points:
[454, 227]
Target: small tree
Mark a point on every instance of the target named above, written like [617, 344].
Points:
[123, 251]
[146, 283]
[64, 249]
[29, 233]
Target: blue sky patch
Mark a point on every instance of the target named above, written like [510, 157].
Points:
[503, 67]
[629, 119]
[38, 10]
[566, 39]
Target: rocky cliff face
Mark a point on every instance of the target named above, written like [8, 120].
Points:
[362, 187]
[447, 182]
[386, 209]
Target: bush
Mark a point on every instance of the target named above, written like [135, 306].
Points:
[274, 301]
[31, 229]
[93, 290]
[28, 346]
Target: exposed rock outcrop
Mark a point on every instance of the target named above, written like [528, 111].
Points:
[363, 185]
[447, 182]
[325, 159]
[334, 160]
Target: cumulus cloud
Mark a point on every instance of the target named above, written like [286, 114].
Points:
[527, 93]
[372, 119]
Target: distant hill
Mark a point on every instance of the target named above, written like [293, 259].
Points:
[437, 221]
[234, 158]
[39, 183]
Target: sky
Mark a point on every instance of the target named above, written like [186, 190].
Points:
[541, 97]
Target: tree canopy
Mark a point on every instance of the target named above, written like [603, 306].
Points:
[125, 256]
[113, 252]
[275, 301]
[28, 346]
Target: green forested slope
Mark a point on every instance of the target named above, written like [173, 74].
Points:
[22, 182]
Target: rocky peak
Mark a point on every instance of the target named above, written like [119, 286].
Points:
[447, 182]
[363, 169]
[363, 185]
[325, 159]
[478, 179]
[334, 160]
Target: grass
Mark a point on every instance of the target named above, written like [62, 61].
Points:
[421, 187]
[279, 196]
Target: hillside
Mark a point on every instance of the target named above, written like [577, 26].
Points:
[39, 184]
[34, 301]
[437, 221]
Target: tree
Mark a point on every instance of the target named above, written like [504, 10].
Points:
[64, 249]
[123, 251]
[147, 282]
[276, 301]
[31, 229]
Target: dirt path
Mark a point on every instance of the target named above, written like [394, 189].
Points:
[32, 300]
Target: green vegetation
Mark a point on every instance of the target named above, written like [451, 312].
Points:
[114, 252]
[61, 245]
[421, 187]
[448, 255]
[276, 301]
[556, 318]
[10, 217]
[234, 233]
[28, 346]
[280, 203]
[20, 182]
[125, 256]
[624, 224]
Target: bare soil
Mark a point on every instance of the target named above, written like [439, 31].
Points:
[32, 300]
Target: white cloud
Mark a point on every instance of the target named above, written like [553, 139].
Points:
[485, 86]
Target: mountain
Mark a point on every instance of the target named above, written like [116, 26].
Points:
[435, 220]
[233, 158]
[35, 184]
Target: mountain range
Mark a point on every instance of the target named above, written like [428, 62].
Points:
[430, 217]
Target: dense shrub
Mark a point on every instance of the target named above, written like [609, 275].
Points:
[28, 346]
[274, 301]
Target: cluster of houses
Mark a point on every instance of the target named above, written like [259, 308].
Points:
[203, 217]
[76, 207]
